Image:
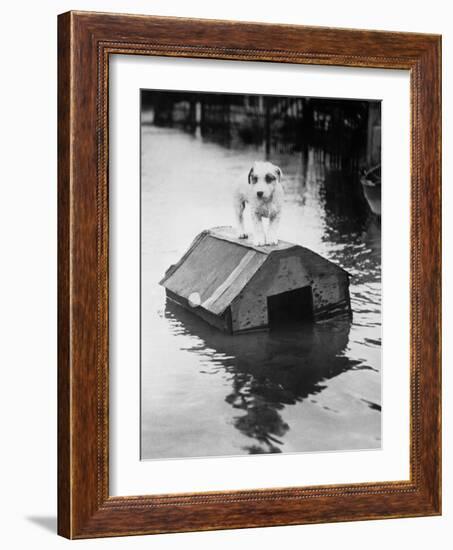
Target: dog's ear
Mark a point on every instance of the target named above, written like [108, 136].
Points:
[250, 175]
[279, 173]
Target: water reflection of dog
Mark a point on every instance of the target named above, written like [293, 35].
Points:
[268, 370]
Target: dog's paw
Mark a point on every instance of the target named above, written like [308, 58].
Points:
[242, 236]
[259, 242]
[272, 241]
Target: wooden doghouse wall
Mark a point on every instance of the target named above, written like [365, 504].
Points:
[331, 295]
[222, 322]
[282, 272]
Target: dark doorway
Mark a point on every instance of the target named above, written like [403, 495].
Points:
[294, 306]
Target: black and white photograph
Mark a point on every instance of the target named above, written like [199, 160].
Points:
[225, 287]
[260, 274]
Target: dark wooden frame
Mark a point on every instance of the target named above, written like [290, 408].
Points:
[85, 41]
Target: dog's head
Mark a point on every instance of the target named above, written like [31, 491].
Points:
[263, 179]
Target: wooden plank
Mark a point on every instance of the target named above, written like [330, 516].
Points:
[227, 283]
[65, 488]
[234, 284]
[227, 233]
[206, 267]
[221, 322]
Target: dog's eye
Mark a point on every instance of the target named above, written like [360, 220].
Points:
[254, 179]
[270, 178]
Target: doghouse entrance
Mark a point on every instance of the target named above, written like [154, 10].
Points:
[294, 306]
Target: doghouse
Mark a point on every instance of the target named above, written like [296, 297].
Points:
[238, 287]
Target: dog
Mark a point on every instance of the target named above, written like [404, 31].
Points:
[263, 192]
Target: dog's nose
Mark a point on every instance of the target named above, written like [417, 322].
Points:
[259, 194]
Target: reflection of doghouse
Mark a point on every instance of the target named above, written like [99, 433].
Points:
[264, 371]
[238, 287]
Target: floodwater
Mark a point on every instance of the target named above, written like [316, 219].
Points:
[308, 388]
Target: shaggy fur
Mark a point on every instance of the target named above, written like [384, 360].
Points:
[263, 192]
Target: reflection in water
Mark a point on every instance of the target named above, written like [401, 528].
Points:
[308, 388]
[268, 370]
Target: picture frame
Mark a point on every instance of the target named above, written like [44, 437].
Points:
[85, 42]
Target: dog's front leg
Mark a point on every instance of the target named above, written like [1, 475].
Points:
[259, 238]
[239, 211]
[272, 232]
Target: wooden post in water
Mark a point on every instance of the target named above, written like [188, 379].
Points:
[267, 127]
[373, 152]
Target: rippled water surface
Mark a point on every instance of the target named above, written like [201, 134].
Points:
[308, 388]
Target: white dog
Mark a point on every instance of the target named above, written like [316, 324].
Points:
[264, 193]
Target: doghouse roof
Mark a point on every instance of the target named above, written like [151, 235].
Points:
[217, 266]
